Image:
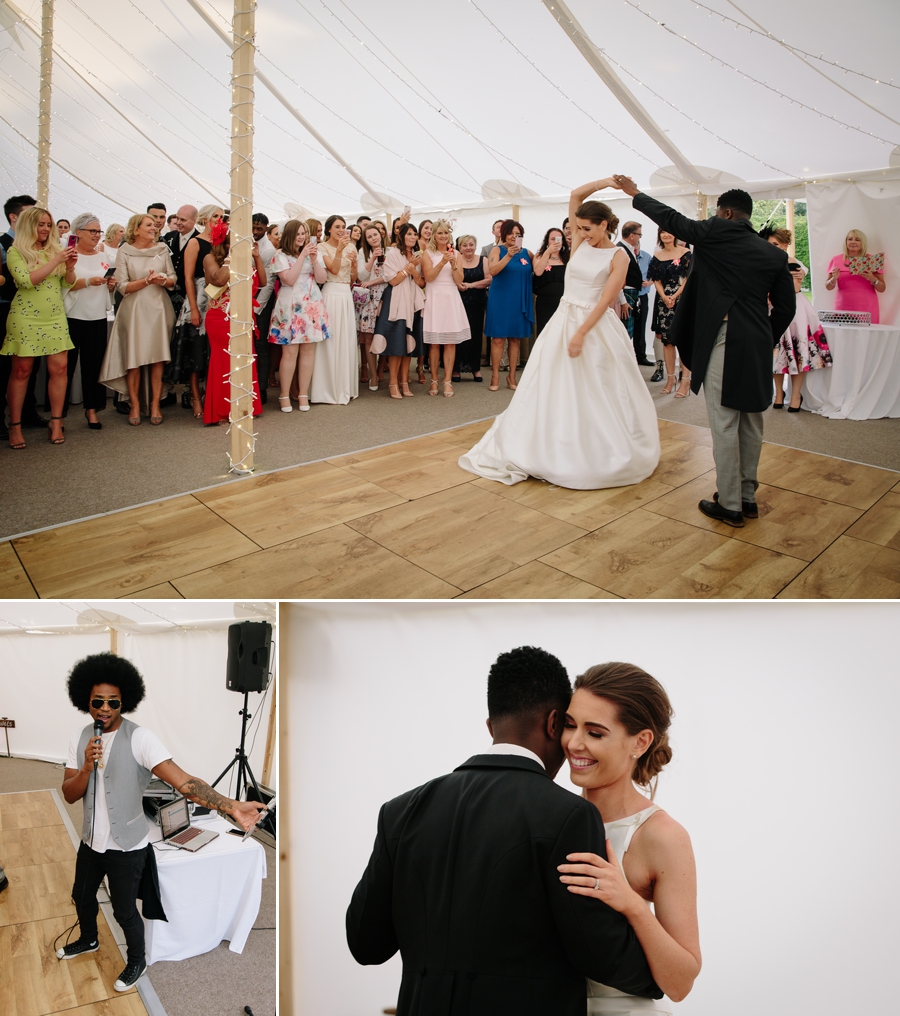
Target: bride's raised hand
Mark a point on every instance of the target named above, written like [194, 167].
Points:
[590, 875]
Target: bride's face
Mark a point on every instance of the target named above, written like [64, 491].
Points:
[594, 233]
[598, 748]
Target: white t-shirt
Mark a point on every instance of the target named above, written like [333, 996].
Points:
[148, 751]
[92, 302]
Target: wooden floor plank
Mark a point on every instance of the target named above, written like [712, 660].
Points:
[466, 535]
[128, 551]
[537, 581]
[647, 555]
[14, 584]
[332, 563]
[788, 523]
[161, 591]
[279, 507]
[849, 569]
[881, 523]
[819, 476]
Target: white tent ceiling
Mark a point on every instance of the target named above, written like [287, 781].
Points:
[429, 100]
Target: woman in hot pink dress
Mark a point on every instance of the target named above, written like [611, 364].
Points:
[855, 292]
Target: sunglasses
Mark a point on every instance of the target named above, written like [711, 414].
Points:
[97, 703]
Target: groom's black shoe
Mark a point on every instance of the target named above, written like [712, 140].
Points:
[749, 509]
[646, 363]
[714, 510]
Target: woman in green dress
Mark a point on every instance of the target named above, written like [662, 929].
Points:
[37, 324]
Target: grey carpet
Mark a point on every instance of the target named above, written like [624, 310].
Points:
[209, 985]
[121, 466]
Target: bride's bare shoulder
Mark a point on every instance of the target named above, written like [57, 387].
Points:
[662, 832]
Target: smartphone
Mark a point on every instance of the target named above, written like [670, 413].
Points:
[406, 209]
[73, 239]
[110, 272]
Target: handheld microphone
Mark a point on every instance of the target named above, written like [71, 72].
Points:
[249, 832]
[98, 730]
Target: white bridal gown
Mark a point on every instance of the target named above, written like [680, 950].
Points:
[601, 998]
[585, 422]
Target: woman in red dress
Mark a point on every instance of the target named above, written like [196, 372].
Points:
[217, 271]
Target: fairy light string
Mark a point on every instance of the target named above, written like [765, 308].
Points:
[750, 77]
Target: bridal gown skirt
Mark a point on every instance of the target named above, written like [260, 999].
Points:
[583, 423]
[610, 1002]
[335, 377]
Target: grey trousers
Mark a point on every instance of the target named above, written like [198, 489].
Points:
[737, 437]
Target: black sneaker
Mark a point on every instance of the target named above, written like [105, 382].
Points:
[79, 948]
[713, 510]
[749, 509]
[130, 976]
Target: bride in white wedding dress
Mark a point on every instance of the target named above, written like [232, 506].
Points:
[582, 416]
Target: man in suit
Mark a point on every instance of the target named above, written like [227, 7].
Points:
[725, 335]
[495, 231]
[176, 241]
[463, 878]
[634, 281]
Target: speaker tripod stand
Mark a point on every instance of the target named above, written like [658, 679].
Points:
[241, 761]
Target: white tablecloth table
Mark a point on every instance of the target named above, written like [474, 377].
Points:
[864, 382]
[208, 896]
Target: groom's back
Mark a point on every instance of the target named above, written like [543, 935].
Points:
[463, 881]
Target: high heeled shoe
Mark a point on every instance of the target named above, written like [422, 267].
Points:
[62, 438]
[404, 390]
[796, 409]
[448, 390]
[670, 384]
[433, 387]
[16, 446]
[300, 407]
[93, 424]
[392, 389]
[284, 404]
[687, 391]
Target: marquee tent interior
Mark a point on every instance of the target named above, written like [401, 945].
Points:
[775, 775]
[466, 106]
[180, 648]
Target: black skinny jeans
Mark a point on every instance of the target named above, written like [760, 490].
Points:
[123, 870]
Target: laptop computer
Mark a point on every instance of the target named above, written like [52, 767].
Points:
[175, 822]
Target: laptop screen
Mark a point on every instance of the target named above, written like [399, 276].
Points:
[174, 817]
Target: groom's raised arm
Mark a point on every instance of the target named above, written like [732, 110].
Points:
[370, 925]
[599, 941]
[689, 230]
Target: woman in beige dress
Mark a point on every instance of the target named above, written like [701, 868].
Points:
[144, 322]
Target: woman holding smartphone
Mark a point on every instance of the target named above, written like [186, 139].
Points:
[371, 276]
[549, 276]
[510, 309]
[398, 331]
[41, 268]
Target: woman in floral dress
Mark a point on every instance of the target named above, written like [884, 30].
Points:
[371, 278]
[668, 271]
[299, 318]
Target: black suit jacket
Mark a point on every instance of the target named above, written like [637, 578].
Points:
[463, 881]
[733, 272]
[633, 277]
[173, 241]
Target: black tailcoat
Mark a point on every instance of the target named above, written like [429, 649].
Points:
[733, 272]
[463, 881]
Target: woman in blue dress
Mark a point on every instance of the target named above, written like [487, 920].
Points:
[510, 309]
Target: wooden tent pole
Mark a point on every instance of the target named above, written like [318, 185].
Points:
[789, 211]
[240, 348]
[43, 171]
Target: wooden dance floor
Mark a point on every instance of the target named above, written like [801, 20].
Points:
[405, 521]
[39, 859]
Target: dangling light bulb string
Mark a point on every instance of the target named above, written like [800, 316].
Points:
[756, 81]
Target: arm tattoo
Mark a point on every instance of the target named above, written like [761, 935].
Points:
[203, 793]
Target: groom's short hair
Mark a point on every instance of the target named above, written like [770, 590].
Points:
[525, 680]
[737, 200]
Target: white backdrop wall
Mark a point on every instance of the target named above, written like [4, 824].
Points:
[187, 704]
[782, 773]
[836, 208]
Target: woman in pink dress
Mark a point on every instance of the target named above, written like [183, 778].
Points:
[855, 292]
[445, 323]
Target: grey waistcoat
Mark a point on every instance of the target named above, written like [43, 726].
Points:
[124, 781]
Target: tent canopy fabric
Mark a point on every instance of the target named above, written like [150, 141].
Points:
[430, 101]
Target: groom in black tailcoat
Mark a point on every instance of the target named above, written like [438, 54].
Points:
[463, 877]
[725, 335]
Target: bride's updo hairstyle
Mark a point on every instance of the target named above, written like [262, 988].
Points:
[642, 704]
[597, 212]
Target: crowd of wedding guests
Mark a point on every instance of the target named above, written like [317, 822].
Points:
[144, 308]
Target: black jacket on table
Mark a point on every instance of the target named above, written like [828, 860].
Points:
[463, 881]
[733, 272]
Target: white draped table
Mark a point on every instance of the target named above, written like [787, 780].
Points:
[208, 896]
[864, 382]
